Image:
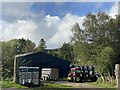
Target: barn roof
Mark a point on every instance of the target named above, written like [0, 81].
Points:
[42, 55]
[20, 55]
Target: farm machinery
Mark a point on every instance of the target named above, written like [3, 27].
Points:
[82, 74]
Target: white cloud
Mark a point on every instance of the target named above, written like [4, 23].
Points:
[53, 29]
[119, 7]
[20, 22]
[64, 29]
[114, 10]
[18, 29]
[0, 30]
[52, 20]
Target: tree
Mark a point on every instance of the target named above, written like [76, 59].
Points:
[24, 46]
[104, 32]
[53, 52]
[114, 30]
[42, 45]
[104, 60]
[12, 48]
[96, 27]
[99, 35]
[80, 45]
[66, 52]
[77, 33]
[30, 46]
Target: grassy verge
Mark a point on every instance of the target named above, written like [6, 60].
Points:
[106, 84]
[102, 85]
[6, 84]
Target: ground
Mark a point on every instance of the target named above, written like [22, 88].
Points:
[75, 85]
[62, 84]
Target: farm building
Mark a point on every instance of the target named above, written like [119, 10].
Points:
[41, 60]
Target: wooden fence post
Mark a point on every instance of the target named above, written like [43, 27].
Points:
[117, 73]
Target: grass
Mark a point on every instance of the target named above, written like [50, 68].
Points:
[102, 85]
[7, 84]
[10, 84]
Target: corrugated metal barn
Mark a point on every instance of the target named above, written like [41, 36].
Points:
[41, 60]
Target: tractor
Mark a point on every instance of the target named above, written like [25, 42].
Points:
[82, 74]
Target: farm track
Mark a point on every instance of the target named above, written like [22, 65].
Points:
[74, 85]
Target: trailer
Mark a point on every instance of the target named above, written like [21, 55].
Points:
[50, 74]
[28, 76]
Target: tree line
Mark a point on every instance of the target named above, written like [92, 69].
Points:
[96, 42]
[15, 47]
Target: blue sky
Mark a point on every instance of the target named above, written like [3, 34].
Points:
[77, 8]
[51, 21]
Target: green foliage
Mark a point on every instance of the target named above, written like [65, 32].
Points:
[101, 85]
[53, 52]
[104, 61]
[12, 48]
[98, 43]
[80, 53]
[78, 34]
[81, 47]
[42, 45]
[66, 52]
[7, 84]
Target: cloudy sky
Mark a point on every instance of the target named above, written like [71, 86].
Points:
[49, 20]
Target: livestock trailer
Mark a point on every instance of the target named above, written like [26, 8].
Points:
[28, 75]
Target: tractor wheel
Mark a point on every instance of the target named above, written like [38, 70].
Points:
[77, 79]
[71, 80]
[94, 79]
[74, 79]
[23, 82]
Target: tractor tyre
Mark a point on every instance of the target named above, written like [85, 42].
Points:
[71, 80]
[94, 79]
[77, 79]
